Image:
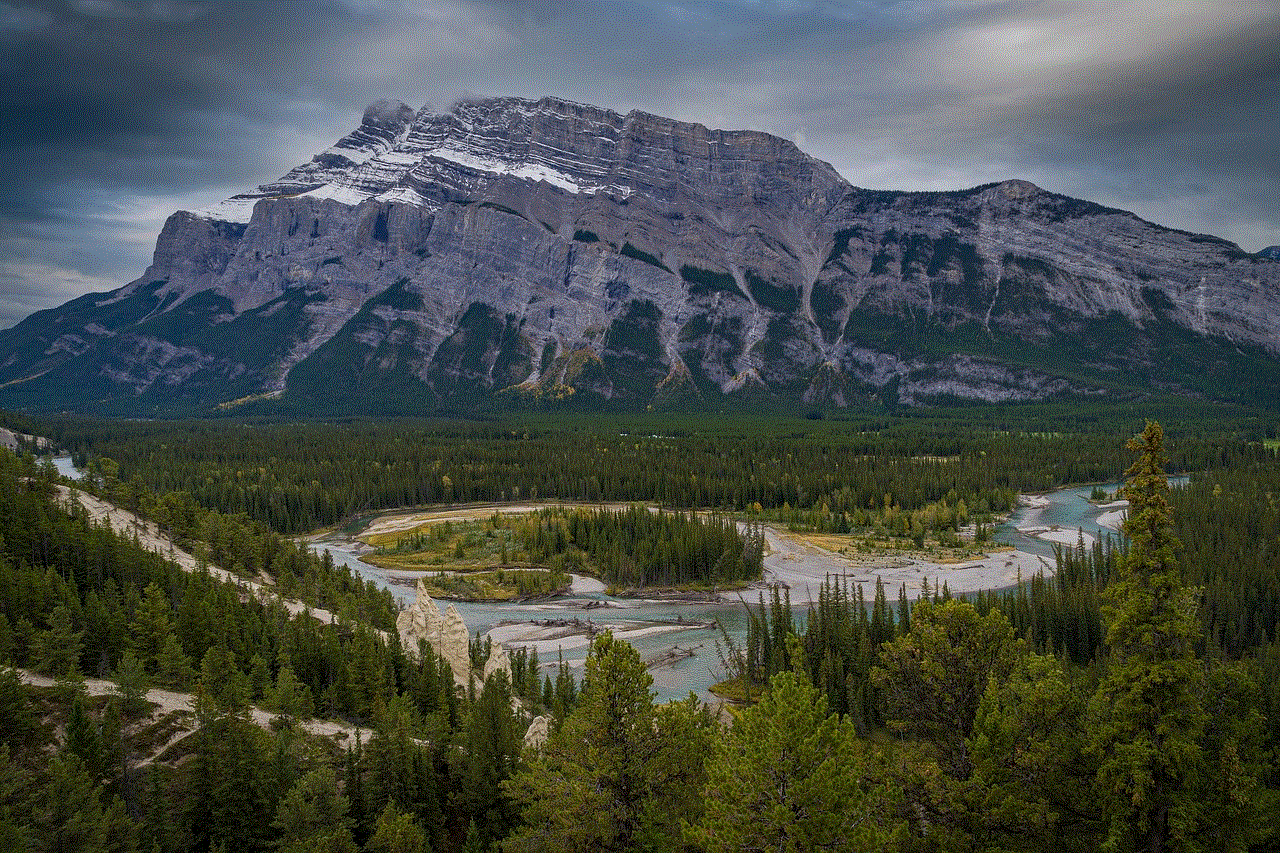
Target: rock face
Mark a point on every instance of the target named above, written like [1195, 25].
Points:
[447, 635]
[536, 735]
[498, 661]
[546, 249]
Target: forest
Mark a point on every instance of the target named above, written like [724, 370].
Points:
[534, 553]
[1130, 702]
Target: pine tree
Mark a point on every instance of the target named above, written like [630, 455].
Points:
[173, 667]
[590, 789]
[395, 832]
[289, 698]
[788, 777]
[933, 678]
[223, 680]
[151, 626]
[230, 798]
[69, 813]
[131, 685]
[1149, 716]
[491, 742]
[83, 739]
[17, 835]
[313, 816]
[57, 650]
[19, 726]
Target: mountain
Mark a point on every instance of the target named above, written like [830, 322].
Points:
[1272, 252]
[542, 250]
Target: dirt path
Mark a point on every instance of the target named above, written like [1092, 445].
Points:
[153, 539]
[170, 702]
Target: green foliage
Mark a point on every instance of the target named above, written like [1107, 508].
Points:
[17, 835]
[610, 778]
[291, 699]
[151, 627]
[229, 795]
[173, 667]
[1149, 714]
[782, 298]
[83, 739]
[74, 814]
[313, 816]
[491, 742]
[395, 832]
[57, 650]
[1032, 785]
[223, 681]
[1039, 766]
[18, 724]
[790, 777]
[932, 679]
[635, 547]
[704, 282]
[297, 477]
[640, 255]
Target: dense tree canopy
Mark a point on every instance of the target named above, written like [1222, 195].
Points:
[1128, 703]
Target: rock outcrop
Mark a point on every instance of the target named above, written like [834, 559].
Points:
[498, 661]
[548, 249]
[446, 635]
[536, 735]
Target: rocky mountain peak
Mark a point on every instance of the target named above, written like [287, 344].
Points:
[389, 115]
[543, 249]
[1015, 189]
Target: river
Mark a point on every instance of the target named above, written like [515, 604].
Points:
[647, 624]
[654, 627]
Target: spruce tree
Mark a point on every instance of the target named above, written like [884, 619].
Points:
[1147, 707]
[788, 777]
[593, 787]
[396, 832]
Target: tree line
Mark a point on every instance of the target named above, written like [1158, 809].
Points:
[299, 477]
[636, 547]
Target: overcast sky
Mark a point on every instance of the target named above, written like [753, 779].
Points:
[116, 114]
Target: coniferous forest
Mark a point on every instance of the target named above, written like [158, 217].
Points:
[1130, 702]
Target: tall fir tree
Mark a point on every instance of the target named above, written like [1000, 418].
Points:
[789, 777]
[610, 778]
[1147, 708]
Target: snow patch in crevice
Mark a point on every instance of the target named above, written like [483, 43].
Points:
[339, 193]
[528, 171]
[404, 195]
[235, 209]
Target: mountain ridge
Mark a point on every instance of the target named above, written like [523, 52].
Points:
[545, 249]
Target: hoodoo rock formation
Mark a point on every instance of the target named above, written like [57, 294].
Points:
[447, 636]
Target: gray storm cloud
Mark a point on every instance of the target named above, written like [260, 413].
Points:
[123, 112]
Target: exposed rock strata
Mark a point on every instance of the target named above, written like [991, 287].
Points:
[550, 248]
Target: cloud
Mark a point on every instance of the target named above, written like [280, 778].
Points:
[27, 287]
[1165, 109]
